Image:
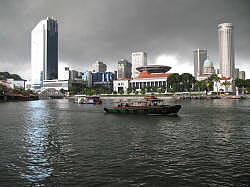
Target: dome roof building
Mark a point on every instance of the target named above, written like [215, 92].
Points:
[208, 63]
[208, 67]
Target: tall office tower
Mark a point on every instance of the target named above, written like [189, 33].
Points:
[226, 49]
[200, 55]
[242, 75]
[44, 52]
[124, 69]
[138, 59]
[99, 67]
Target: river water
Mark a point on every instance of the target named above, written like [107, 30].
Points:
[59, 143]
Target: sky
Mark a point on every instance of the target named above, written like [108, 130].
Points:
[107, 30]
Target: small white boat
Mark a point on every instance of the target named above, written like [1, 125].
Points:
[83, 99]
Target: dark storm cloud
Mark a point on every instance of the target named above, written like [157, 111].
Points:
[111, 29]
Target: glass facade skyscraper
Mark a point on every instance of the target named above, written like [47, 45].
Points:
[44, 52]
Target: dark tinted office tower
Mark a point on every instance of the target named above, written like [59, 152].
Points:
[51, 67]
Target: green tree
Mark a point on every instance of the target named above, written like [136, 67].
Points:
[121, 91]
[187, 81]
[173, 82]
[226, 84]
[142, 91]
[133, 90]
[198, 85]
[247, 85]
[214, 78]
[129, 90]
[62, 91]
[1, 88]
[240, 83]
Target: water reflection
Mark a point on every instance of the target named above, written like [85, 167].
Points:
[36, 143]
[58, 143]
[47, 142]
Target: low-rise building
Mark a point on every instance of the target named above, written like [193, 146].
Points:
[96, 79]
[121, 85]
[224, 84]
[149, 76]
[69, 74]
[56, 84]
[11, 83]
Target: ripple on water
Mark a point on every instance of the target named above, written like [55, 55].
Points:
[58, 143]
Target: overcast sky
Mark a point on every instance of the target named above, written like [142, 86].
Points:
[107, 30]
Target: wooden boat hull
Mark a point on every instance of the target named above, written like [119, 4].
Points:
[159, 110]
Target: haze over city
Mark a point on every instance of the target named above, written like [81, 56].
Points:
[168, 31]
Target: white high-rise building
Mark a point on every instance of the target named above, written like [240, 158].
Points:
[200, 55]
[226, 50]
[138, 59]
[44, 52]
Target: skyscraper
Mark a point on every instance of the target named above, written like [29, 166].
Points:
[44, 52]
[226, 49]
[138, 59]
[124, 69]
[99, 67]
[200, 55]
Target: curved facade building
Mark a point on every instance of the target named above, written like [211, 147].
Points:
[44, 52]
[154, 68]
[226, 49]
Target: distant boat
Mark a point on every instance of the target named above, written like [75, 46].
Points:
[88, 100]
[236, 97]
[150, 105]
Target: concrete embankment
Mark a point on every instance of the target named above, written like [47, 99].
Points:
[132, 97]
[6, 98]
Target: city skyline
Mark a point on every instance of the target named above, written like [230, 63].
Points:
[112, 30]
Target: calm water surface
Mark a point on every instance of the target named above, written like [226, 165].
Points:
[59, 143]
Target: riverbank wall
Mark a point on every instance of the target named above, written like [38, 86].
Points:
[7, 98]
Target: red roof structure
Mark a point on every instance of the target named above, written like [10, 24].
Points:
[125, 79]
[146, 74]
[224, 78]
